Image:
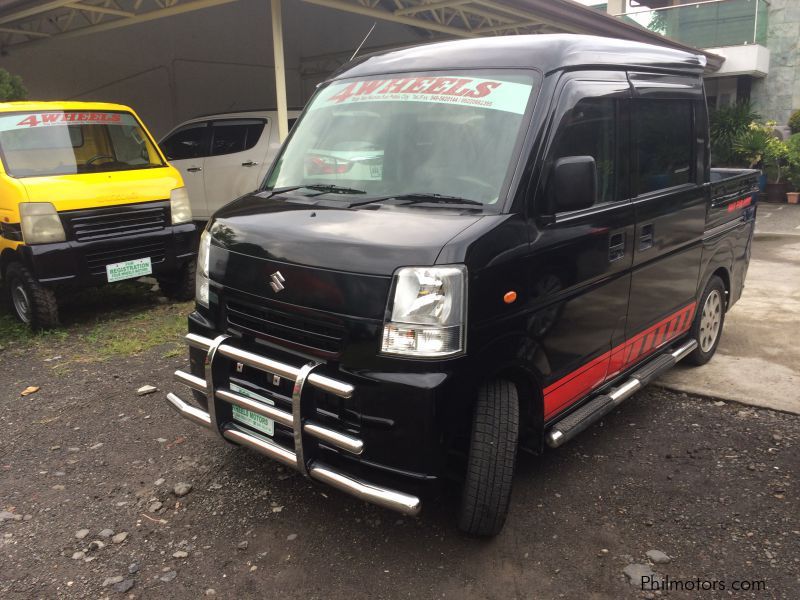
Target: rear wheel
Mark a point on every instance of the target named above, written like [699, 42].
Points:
[492, 455]
[708, 322]
[31, 302]
[179, 285]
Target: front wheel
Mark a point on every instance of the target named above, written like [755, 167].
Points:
[31, 302]
[492, 456]
[179, 285]
[708, 322]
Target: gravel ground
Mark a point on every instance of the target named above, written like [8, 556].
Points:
[92, 504]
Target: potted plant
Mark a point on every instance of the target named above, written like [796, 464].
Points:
[793, 159]
[727, 124]
[760, 148]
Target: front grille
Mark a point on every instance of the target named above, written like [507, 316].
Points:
[115, 221]
[304, 327]
[98, 259]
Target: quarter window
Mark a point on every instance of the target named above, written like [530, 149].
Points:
[664, 144]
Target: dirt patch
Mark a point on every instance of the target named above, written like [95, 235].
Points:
[712, 486]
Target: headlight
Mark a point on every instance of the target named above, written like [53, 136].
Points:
[427, 312]
[40, 223]
[201, 274]
[179, 206]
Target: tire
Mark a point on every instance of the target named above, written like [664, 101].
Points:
[708, 322]
[492, 455]
[31, 302]
[179, 285]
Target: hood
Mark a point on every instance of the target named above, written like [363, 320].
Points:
[373, 240]
[94, 190]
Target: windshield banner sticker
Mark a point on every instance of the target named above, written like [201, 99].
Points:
[24, 121]
[506, 96]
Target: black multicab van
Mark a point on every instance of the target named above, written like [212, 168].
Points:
[463, 249]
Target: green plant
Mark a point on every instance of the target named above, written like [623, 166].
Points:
[750, 146]
[11, 87]
[759, 147]
[794, 122]
[727, 125]
[793, 160]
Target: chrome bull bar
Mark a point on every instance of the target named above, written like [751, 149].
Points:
[301, 426]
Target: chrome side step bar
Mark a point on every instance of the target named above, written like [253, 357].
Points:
[315, 469]
[594, 410]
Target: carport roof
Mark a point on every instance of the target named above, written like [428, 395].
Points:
[26, 21]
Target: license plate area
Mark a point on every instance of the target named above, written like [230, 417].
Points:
[129, 269]
[258, 379]
[249, 418]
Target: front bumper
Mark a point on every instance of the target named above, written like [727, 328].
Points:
[82, 263]
[220, 353]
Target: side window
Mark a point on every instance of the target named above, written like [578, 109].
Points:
[235, 136]
[590, 129]
[664, 144]
[187, 142]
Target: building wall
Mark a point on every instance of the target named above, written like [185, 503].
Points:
[213, 60]
[777, 95]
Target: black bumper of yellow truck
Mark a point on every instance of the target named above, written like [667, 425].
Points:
[83, 263]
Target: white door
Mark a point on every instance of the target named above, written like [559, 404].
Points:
[235, 164]
[186, 149]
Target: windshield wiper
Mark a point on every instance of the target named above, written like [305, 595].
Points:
[334, 189]
[324, 188]
[283, 190]
[423, 197]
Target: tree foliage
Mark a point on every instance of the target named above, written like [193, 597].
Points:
[11, 87]
[794, 122]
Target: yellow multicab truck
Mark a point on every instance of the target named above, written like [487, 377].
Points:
[86, 198]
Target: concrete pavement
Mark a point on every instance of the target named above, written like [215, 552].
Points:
[758, 359]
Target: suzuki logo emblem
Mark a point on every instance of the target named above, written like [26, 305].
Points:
[277, 281]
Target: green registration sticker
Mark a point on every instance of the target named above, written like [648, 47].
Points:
[249, 418]
[129, 269]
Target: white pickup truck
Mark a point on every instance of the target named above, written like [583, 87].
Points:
[223, 156]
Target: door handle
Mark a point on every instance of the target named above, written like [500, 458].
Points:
[646, 237]
[616, 247]
[194, 169]
[249, 163]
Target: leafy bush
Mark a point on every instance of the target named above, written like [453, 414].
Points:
[760, 147]
[11, 87]
[793, 158]
[727, 125]
[794, 122]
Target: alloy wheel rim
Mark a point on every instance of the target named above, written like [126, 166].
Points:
[710, 321]
[21, 303]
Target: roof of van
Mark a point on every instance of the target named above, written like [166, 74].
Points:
[546, 52]
[36, 105]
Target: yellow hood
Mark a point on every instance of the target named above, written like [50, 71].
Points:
[94, 190]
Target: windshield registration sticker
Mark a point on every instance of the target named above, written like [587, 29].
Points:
[491, 94]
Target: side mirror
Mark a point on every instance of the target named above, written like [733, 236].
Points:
[573, 185]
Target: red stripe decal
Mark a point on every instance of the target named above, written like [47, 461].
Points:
[574, 386]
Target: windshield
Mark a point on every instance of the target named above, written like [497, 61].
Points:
[452, 135]
[68, 142]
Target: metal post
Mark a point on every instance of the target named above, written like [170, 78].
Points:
[755, 26]
[280, 70]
